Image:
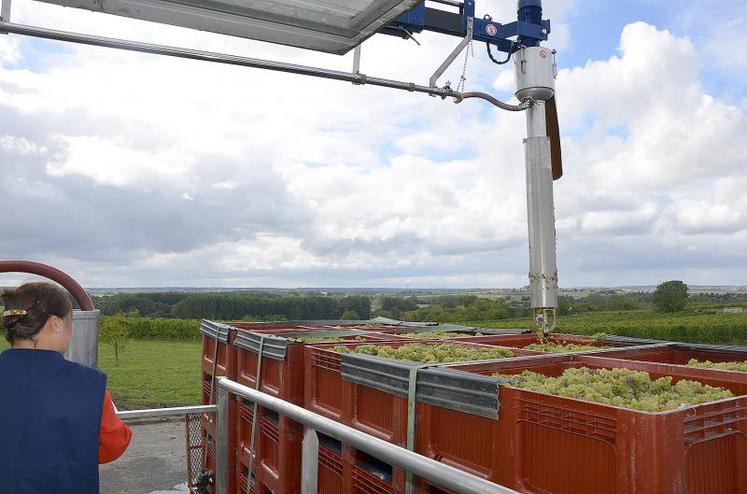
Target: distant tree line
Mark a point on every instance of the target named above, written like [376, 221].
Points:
[600, 301]
[449, 308]
[236, 306]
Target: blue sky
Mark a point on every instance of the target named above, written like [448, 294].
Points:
[136, 170]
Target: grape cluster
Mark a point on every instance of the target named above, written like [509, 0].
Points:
[730, 366]
[560, 347]
[320, 339]
[438, 335]
[623, 388]
[433, 353]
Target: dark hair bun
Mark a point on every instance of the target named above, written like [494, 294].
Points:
[9, 322]
[39, 300]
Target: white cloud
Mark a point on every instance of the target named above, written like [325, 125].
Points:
[19, 145]
[109, 162]
[224, 175]
[9, 52]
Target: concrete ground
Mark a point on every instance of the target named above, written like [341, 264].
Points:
[155, 462]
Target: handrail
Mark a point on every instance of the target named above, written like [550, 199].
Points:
[440, 474]
[207, 56]
[165, 412]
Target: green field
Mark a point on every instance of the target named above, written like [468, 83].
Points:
[713, 328]
[153, 373]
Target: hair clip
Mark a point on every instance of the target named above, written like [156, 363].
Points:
[15, 312]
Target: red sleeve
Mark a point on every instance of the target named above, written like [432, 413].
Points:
[114, 436]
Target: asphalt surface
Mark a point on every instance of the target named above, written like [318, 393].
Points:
[155, 462]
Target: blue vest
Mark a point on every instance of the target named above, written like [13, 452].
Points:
[50, 416]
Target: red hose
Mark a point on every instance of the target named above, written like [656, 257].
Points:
[54, 274]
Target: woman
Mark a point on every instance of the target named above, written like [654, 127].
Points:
[57, 421]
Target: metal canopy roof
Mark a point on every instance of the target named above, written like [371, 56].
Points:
[333, 26]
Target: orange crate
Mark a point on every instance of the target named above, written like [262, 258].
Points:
[523, 340]
[208, 428]
[304, 326]
[224, 363]
[544, 443]
[379, 411]
[681, 353]
[277, 461]
[256, 487]
[209, 460]
[331, 467]
[282, 361]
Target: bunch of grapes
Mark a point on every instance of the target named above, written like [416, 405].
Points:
[433, 353]
[730, 366]
[320, 339]
[561, 347]
[438, 335]
[623, 388]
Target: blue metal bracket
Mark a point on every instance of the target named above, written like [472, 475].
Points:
[528, 30]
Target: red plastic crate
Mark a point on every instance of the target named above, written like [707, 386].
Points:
[523, 340]
[680, 353]
[374, 411]
[209, 461]
[256, 487]
[208, 429]
[224, 363]
[304, 326]
[544, 443]
[282, 363]
[208, 419]
[277, 460]
[344, 470]
[332, 467]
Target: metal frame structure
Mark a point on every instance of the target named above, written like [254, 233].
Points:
[320, 25]
[526, 32]
[436, 472]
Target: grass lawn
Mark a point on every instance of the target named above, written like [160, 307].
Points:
[153, 373]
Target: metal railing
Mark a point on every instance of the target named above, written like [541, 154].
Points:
[431, 470]
[165, 412]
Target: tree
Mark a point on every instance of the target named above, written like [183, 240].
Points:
[115, 331]
[623, 301]
[350, 315]
[670, 296]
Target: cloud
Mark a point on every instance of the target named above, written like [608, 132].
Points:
[130, 169]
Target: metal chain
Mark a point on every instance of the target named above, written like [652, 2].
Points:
[468, 53]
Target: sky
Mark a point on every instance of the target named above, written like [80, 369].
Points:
[134, 170]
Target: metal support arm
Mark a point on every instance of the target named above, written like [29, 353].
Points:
[422, 18]
[452, 56]
[5, 12]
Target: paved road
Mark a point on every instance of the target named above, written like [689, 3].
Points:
[153, 464]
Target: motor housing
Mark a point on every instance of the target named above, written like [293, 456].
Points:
[535, 71]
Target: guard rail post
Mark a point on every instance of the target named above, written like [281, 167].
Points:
[221, 446]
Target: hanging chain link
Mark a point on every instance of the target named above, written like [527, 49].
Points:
[468, 53]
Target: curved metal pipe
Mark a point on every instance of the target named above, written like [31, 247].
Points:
[54, 274]
[495, 101]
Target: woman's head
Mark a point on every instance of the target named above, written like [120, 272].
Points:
[38, 315]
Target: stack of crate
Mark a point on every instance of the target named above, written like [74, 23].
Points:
[528, 441]
[277, 443]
